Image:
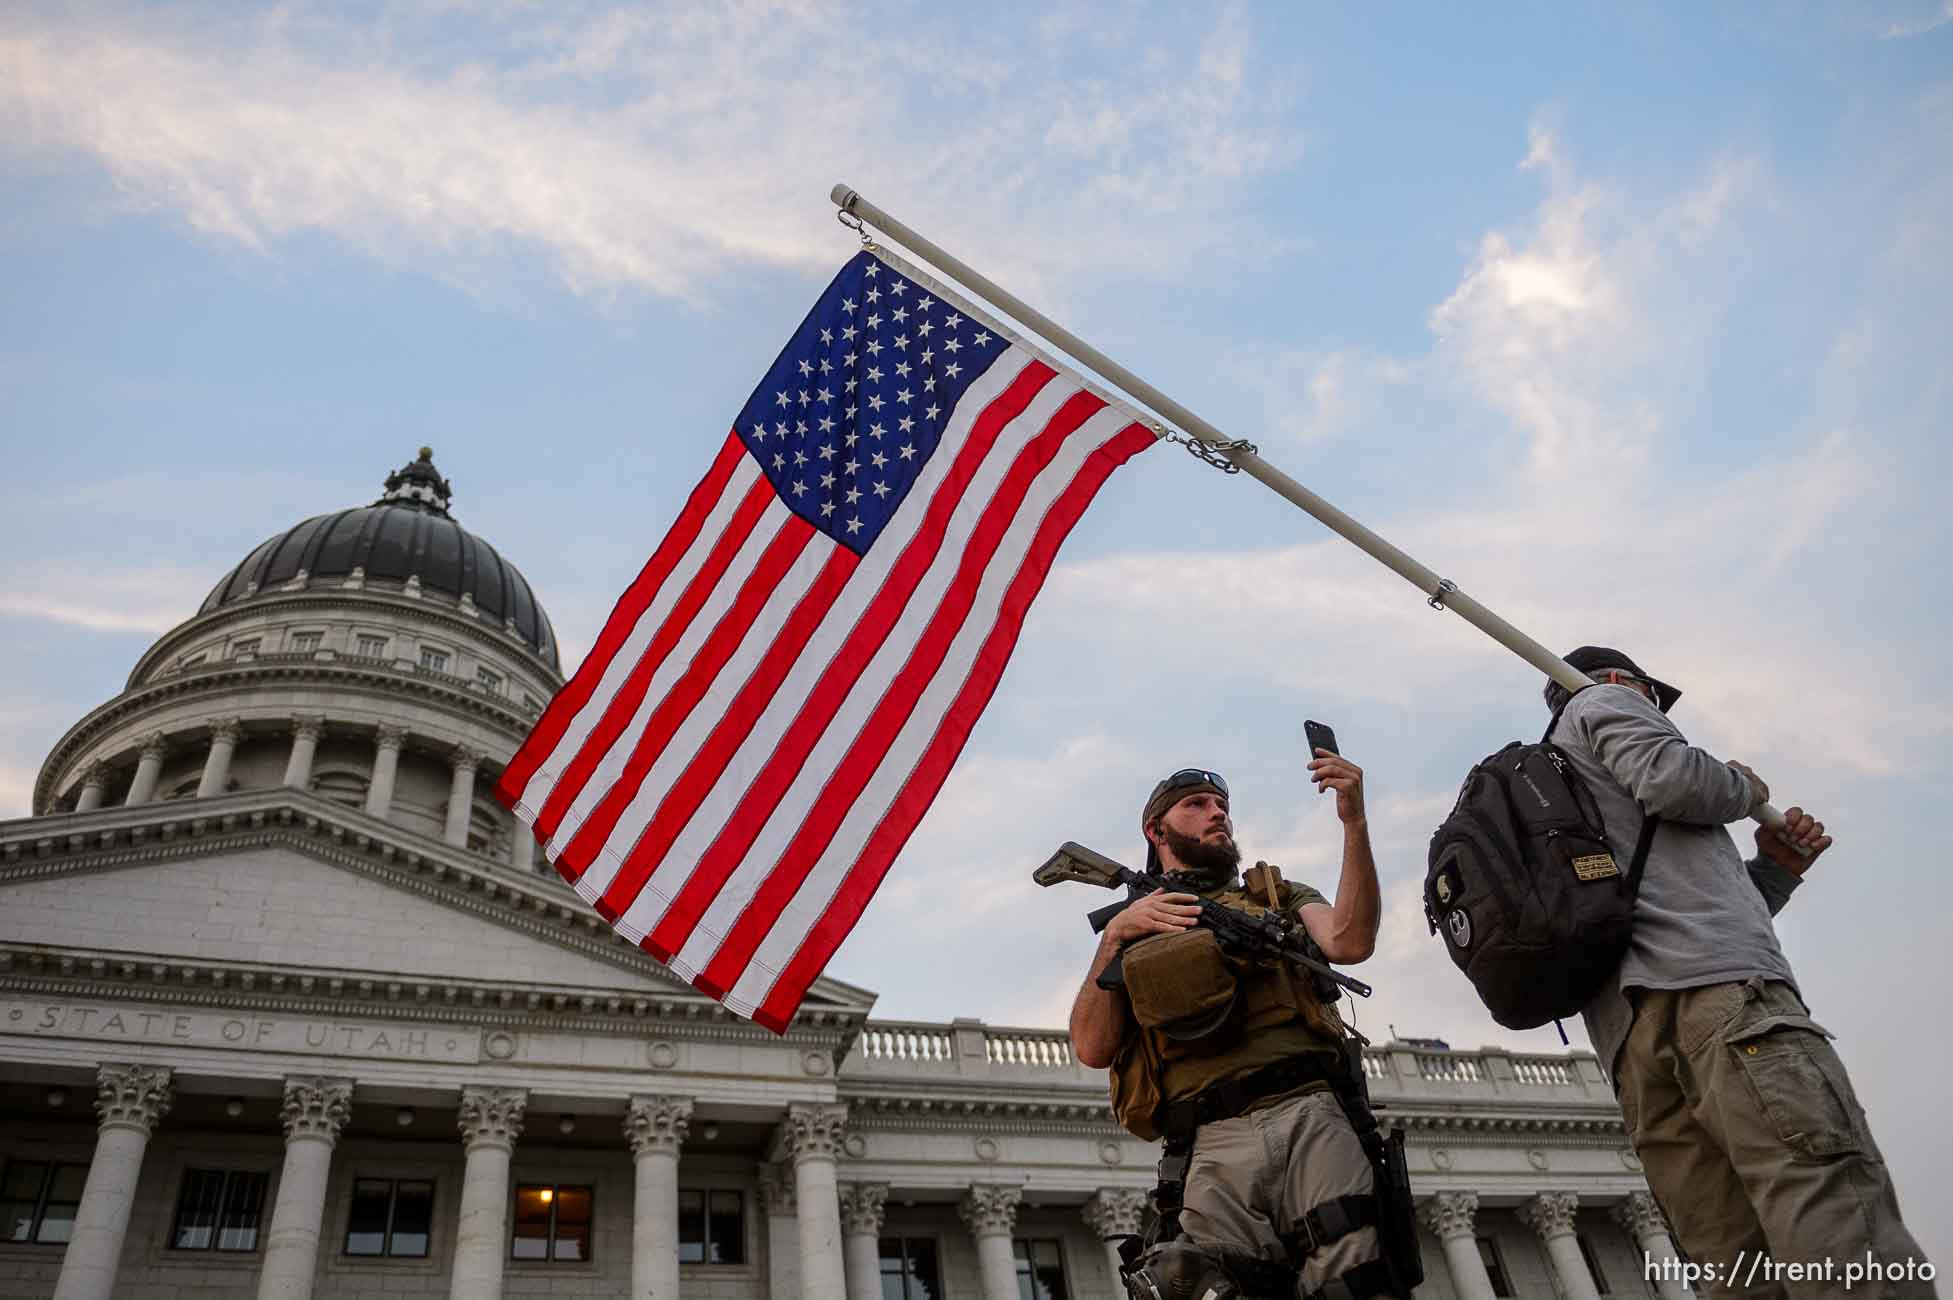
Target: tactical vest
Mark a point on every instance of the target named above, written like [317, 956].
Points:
[1152, 1069]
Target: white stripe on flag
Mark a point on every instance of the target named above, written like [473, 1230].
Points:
[723, 591]
[538, 790]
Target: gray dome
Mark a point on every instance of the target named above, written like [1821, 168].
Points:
[406, 533]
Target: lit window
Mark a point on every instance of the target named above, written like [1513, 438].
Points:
[38, 1200]
[219, 1210]
[1040, 1270]
[248, 646]
[552, 1223]
[306, 642]
[1488, 1254]
[1593, 1264]
[490, 681]
[390, 1217]
[434, 661]
[909, 1269]
[372, 647]
[711, 1227]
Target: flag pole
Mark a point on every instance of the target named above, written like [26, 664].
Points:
[1440, 592]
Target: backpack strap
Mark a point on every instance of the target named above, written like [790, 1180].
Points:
[1649, 824]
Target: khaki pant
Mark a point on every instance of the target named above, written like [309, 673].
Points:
[1756, 1146]
[1252, 1178]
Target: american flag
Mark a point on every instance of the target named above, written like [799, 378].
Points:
[778, 697]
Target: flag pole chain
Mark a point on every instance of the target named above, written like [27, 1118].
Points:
[1440, 593]
[1210, 452]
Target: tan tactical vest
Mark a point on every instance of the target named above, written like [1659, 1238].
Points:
[1265, 1026]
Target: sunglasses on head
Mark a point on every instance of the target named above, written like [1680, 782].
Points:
[1192, 776]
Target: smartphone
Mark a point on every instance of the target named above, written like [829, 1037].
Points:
[1320, 737]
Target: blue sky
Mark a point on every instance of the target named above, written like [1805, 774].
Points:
[1630, 319]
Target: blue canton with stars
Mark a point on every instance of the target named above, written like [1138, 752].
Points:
[855, 406]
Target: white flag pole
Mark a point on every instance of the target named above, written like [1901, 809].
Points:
[1442, 593]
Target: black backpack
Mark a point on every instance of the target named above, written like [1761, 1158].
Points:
[1531, 903]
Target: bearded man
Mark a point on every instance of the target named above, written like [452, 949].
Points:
[1235, 1062]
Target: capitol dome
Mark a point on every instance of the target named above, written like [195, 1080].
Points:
[381, 657]
[406, 536]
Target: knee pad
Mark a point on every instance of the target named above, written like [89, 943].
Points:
[1180, 1270]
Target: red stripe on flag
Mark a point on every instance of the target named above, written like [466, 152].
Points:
[845, 909]
[623, 705]
[884, 724]
[630, 607]
[689, 791]
[773, 565]
[729, 848]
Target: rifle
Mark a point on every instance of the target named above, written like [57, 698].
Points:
[1254, 937]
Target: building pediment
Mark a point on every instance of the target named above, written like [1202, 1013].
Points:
[282, 879]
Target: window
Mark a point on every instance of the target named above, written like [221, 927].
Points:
[306, 642]
[191, 661]
[1488, 1253]
[711, 1227]
[909, 1269]
[390, 1217]
[248, 646]
[553, 1223]
[38, 1200]
[434, 661]
[371, 647]
[345, 788]
[220, 1210]
[1593, 1264]
[1040, 1270]
[531, 703]
[489, 681]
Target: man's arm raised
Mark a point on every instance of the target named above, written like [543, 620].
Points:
[1347, 931]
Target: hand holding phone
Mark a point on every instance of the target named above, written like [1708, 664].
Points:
[1319, 737]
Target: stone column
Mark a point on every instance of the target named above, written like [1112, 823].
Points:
[224, 735]
[386, 762]
[861, 1224]
[315, 1110]
[522, 846]
[990, 1212]
[94, 783]
[1450, 1216]
[307, 730]
[813, 1133]
[143, 788]
[656, 1128]
[782, 1230]
[461, 795]
[1115, 1212]
[1642, 1218]
[1550, 1214]
[490, 1122]
[129, 1099]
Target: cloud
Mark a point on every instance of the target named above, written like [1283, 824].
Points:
[1906, 28]
[651, 148]
[150, 600]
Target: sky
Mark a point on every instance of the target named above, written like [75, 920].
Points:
[1631, 320]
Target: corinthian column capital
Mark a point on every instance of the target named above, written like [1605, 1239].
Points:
[813, 1131]
[990, 1209]
[861, 1208]
[1638, 1213]
[1450, 1214]
[390, 736]
[228, 730]
[132, 1096]
[308, 726]
[465, 759]
[657, 1124]
[316, 1108]
[1550, 1214]
[154, 746]
[1116, 1211]
[491, 1116]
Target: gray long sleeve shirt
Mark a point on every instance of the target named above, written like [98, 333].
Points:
[1703, 913]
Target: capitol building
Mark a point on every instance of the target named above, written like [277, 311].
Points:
[290, 1007]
